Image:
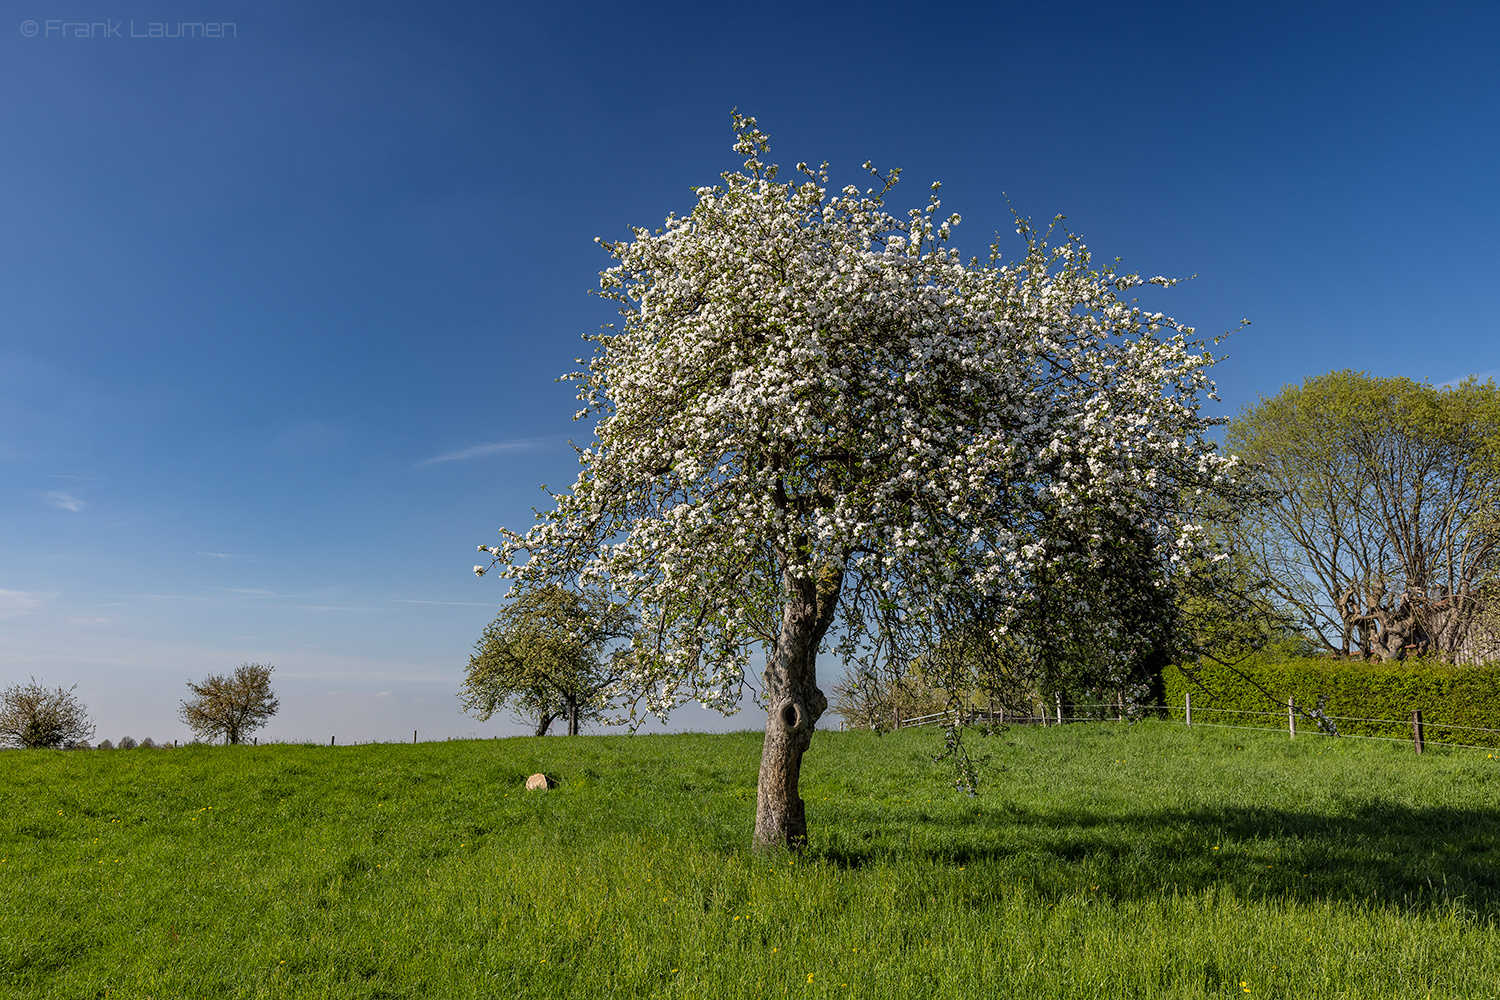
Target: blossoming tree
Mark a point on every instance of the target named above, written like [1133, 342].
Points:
[818, 428]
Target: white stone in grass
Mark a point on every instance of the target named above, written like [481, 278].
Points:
[538, 783]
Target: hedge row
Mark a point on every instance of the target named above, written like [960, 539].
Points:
[1447, 695]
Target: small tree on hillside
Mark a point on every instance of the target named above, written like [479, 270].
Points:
[230, 706]
[546, 655]
[34, 717]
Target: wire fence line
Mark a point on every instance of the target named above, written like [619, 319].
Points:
[1419, 727]
[1357, 736]
[1335, 718]
[1115, 711]
[1227, 711]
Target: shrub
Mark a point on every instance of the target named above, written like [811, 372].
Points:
[126, 743]
[33, 716]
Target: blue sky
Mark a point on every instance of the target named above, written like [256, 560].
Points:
[281, 312]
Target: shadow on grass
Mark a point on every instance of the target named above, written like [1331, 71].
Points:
[1371, 853]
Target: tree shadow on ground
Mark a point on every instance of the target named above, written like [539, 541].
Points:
[1372, 852]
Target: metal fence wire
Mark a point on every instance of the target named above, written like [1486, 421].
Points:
[1190, 715]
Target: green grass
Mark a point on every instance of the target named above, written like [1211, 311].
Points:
[1100, 860]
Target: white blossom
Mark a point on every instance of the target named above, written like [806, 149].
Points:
[802, 382]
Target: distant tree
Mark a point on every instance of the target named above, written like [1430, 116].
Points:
[148, 743]
[885, 700]
[1377, 538]
[33, 717]
[127, 743]
[547, 656]
[230, 706]
[105, 745]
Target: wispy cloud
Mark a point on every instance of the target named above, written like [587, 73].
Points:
[1481, 376]
[61, 500]
[14, 603]
[236, 556]
[216, 595]
[481, 450]
[332, 607]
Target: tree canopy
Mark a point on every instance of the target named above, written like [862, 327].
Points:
[1379, 536]
[818, 427]
[547, 656]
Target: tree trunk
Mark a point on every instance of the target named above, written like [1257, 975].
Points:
[544, 723]
[793, 707]
[572, 716]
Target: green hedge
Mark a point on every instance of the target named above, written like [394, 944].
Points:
[1446, 695]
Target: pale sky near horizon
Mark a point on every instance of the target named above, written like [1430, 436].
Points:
[281, 311]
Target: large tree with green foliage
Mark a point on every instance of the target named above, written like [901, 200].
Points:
[818, 427]
[548, 655]
[1377, 539]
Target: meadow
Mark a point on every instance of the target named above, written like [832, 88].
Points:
[1099, 860]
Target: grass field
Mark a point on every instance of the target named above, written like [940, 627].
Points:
[1101, 860]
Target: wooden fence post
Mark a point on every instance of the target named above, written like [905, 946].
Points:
[1416, 728]
[1291, 718]
[414, 737]
[1187, 708]
[1059, 708]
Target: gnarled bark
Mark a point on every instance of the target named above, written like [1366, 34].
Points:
[793, 706]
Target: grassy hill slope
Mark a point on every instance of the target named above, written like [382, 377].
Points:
[1100, 860]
